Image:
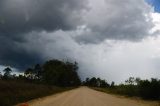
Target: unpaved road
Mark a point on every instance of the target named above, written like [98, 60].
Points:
[84, 96]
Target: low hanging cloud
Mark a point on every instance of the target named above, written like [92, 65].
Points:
[32, 31]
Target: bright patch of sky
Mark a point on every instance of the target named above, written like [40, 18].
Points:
[155, 4]
[14, 70]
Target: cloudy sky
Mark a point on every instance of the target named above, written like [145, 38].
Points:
[111, 39]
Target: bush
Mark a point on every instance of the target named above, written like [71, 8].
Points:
[13, 92]
[146, 89]
[149, 89]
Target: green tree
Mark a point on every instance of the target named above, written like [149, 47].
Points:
[149, 89]
[7, 72]
[130, 81]
[29, 74]
[93, 82]
[38, 71]
[137, 80]
[0, 75]
[103, 83]
[112, 84]
[61, 73]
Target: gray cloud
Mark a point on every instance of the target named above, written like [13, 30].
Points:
[18, 18]
[22, 16]
[120, 20]
[14, 55]
[32, 31]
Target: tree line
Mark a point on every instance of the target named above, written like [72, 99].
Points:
[65, 74]
[97, 82]
[146, 89]
[52, 72]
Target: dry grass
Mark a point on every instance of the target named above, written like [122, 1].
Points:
[13, 92]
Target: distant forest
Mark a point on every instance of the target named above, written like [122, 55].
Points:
[53, 72]
[146, 89]
[65, 74]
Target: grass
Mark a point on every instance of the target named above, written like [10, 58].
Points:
[124, 91]
[13, 92]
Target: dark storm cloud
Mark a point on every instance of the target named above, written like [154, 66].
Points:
[20, 17]
[16, 56]
[32, 31]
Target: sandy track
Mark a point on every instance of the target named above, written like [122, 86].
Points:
[87, 97]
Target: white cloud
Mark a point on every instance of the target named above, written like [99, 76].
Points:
[156, 21]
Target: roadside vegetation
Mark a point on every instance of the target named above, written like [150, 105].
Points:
[146, 89]
[56, 76]
[41, 80]
[14, 92]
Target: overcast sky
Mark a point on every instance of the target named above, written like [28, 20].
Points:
[111, 39]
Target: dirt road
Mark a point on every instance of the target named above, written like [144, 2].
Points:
[87, 97]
